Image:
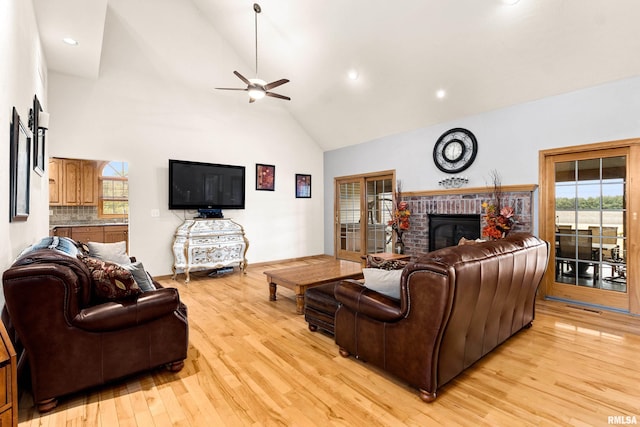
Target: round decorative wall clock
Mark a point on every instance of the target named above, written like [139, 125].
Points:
[455, 150]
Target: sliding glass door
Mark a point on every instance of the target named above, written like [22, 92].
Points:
[587, 201]
[363, 205]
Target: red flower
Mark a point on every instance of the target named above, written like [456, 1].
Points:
[400, 218]
[497, 225]
[399, 221]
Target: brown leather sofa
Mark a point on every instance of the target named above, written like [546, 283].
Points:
[456, 305]
[69, 341]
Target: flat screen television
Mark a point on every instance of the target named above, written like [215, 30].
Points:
[205, 186]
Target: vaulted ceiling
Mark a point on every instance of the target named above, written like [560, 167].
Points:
[484, 54]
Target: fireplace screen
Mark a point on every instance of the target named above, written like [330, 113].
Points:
[447, 230]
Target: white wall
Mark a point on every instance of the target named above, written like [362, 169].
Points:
[508, 141]
[139, 112]
[23, 74]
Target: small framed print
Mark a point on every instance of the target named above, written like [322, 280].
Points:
[38, 138]
[20, 170]
[265, 177]
[303, 186]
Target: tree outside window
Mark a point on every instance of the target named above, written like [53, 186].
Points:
[114, 190]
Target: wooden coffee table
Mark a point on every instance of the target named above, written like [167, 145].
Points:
[298, 279]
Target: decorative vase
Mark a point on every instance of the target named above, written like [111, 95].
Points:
[398, 247]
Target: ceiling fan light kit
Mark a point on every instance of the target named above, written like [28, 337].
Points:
[256, 87]
[256, 91]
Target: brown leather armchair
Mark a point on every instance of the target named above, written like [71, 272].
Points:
[456, 305]
[72, 342]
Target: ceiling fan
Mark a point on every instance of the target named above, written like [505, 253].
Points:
[257, 88]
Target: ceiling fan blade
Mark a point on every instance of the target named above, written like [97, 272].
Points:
[276, 95]
[243, 78]
[275, 84]
[230, 88]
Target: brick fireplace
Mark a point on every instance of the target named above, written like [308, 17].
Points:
[467, 201]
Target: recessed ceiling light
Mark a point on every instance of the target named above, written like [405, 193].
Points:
[441, 93]
[353, 74]
[510, 2]
[70, 41]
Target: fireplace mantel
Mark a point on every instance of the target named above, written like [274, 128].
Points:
[471, 190]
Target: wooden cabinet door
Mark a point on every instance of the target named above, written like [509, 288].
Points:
[88, 234]
[89, 184]
[73, 182]
[62, 232]
[71, 176]
[55, 182]
[116, 233]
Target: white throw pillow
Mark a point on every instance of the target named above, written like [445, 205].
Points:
[386, 282]
[113, 252]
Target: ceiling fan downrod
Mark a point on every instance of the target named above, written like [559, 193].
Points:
[257, 9]
[256, 87]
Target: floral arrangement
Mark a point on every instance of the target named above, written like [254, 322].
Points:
[498, 220]
[399, 221]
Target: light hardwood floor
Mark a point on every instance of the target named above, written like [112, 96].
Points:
[253, 362]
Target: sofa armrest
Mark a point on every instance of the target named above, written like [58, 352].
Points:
[359, 299]
[116, 315]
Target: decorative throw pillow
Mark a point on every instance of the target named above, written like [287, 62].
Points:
[386, 282]
[385, 264]
[140, 276]
[113, 252]
[110, 281]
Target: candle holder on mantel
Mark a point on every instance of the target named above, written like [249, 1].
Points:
[453, 181]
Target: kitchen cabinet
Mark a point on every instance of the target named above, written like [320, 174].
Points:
[62, 232]
[88, 183]
[55, 182]
[73, 182]
[86, 234]
[116, 233]
[94, 233]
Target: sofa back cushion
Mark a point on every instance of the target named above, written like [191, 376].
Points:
[52, 256]
[494, 287]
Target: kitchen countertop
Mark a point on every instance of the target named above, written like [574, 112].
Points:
[87, 224]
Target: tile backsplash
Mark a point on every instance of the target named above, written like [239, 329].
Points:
[78, 215]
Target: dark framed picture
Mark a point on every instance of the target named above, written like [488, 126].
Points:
[19, 170]
[303, 186]
[265, 177]
[38, 137]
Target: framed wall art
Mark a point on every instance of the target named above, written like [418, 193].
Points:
[19, 170]
[303, 186]
[265, 177]
[38, 137]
